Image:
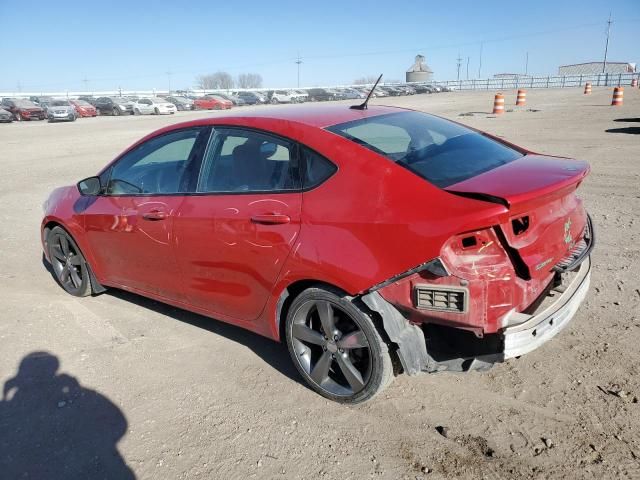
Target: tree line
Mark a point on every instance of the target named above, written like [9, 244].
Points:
[224, 81]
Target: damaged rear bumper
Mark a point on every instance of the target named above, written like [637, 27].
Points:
[417, 350]
[543, 326]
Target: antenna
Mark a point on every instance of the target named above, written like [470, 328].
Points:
[606, 45]
[363, 105]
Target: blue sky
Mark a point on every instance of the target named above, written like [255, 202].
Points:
[53, 46]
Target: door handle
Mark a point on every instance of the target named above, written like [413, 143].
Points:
[270, 219]
[154, 215]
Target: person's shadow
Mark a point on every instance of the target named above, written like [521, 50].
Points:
[51, 427]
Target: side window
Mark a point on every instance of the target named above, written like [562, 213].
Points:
[247, 161]
[317, 168]
[155, 167]
[387, 138]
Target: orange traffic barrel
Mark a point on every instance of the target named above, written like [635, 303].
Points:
[634, 82]
[617, 96]
[521, 99]
[498, 104]
[587, 88]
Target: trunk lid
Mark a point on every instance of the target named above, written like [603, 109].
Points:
[546, 219]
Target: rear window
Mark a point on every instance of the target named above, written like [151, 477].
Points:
[442, 152]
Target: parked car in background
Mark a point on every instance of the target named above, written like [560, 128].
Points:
[211, 102]
[321, 94]
[61, 110]
[281, 96]
[22, 109]
[39, 100]
[84, 108]
[252, 98]
[234, 99]
[114, 106]
[496, 266]
[300, 96]
[419, 88]
[153, 106]
[89, 99]
[5, 116]
[351, 93]
[181, 103]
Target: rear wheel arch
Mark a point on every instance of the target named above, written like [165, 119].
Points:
[291, 292]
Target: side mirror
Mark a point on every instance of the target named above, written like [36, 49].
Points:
[90, 186]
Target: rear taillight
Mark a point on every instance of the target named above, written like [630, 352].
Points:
[476, 254]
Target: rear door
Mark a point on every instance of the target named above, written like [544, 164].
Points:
[130, 226]
[234, 235]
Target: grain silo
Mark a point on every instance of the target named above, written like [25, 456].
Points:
[419, 71]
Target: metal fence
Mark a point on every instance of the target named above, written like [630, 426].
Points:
[501, 83]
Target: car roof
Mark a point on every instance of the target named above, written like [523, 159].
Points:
[315, 116]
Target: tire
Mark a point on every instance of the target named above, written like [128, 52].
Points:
[116, 112]
[274, 101]
[18, 117]
[216, 107]
[156, 112]
[69, 265]
[353, 366]
[136, 111]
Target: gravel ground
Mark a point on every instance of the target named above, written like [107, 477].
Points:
[130, 387]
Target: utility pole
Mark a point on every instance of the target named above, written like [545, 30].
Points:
[298, 62]
[85, 80]
[19, 86]
[169, 73]
[526, 64]
[480, 64]
[606, 45]
[468, 58]
[459, 60]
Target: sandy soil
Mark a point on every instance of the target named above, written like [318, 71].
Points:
[169, 394]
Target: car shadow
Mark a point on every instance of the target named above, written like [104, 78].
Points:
[272, 352]
[629, 130]
[52, 427]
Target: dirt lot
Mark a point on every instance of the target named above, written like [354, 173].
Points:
[168, 394]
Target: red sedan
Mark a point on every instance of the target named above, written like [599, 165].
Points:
[211, 102]
[355, 236]
[84, 109]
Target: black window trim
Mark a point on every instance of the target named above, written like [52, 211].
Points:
[202, 136]
[207, 139]
[297, 147]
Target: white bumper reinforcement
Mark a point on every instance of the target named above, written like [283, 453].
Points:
[543, 326]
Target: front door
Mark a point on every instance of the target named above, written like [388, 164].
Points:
[234, 235]
[130, 226]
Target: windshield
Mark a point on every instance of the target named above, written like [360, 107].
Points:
[59, 103]
[119, 100]
[82, 103]
[442, 152]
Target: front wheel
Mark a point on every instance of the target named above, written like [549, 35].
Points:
[70, 268]
[156, 111]
[336, 347]
[116, 112]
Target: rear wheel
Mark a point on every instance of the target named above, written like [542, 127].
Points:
[156, 111]
[336, 348]
[116, 112]
[216, 107]
[70, 268]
